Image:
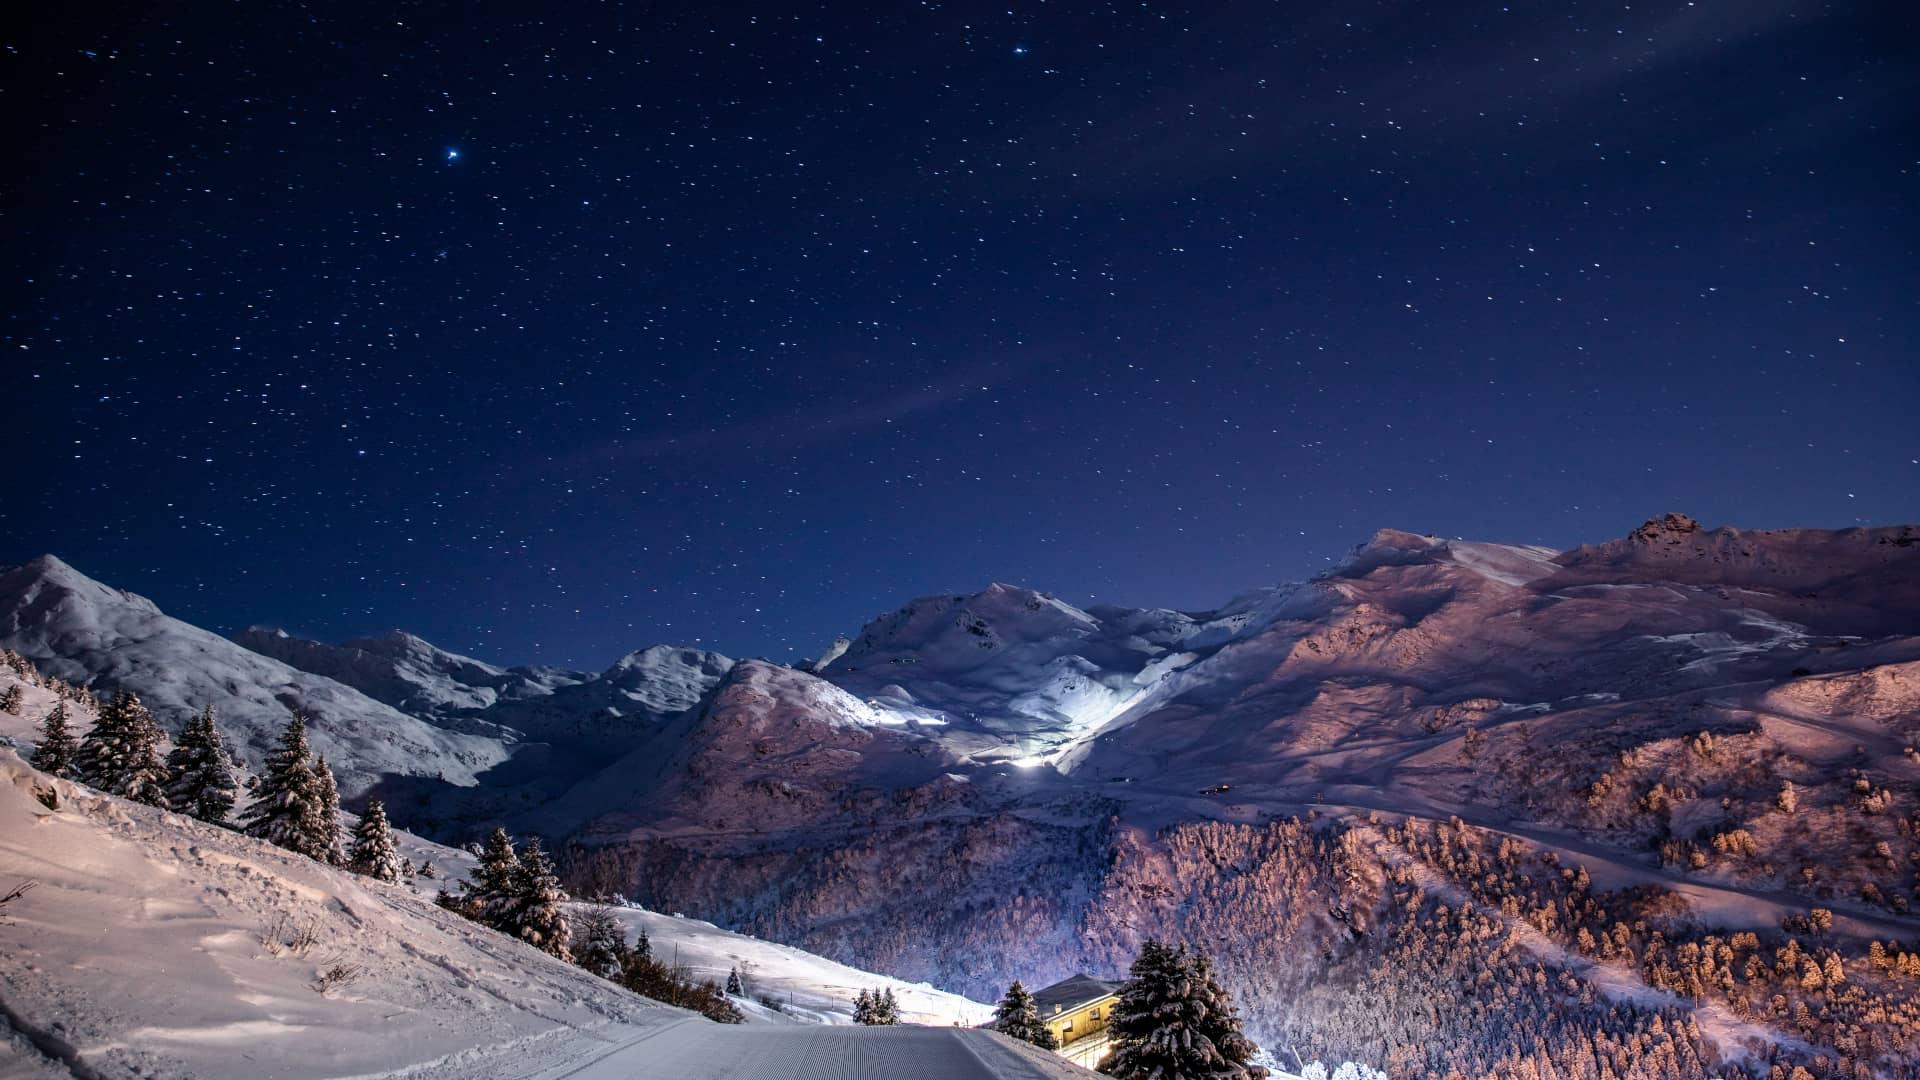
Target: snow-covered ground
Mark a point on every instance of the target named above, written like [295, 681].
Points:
[153, 945]
[787, 985]
[156, 946]
[687, 1052]
[798, 987]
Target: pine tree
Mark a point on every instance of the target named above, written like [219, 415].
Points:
[199, 778]
[734, 986]
[57, 749]
[598, 942]
[10, 699]
[326, 808]
[643, 946]
[120, 754]
[373, 851]
[876, 1008]
[1018, 1017]
[538, 917]
[489, 892]
[1173, 1019]
[284, 809]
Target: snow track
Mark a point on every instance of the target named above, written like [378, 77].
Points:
[699, 1051]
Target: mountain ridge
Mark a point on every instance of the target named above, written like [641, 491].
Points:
[1715, 727]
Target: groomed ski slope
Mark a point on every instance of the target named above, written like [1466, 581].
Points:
[692, 1051]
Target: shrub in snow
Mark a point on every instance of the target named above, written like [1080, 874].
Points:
[650, 978]
[598, 942]
[1019, 1017]
[1174, 1020]
[120, 754]
[1346, 1070]
[56, 753]
[373, 853]
[199, 776]
[10, 699]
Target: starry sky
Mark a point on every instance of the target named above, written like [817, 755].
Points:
[553, 331]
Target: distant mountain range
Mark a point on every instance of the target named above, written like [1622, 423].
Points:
[1464, 762]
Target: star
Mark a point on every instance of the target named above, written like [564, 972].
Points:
[453, 153]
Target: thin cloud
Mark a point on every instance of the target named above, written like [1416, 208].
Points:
[798, 426]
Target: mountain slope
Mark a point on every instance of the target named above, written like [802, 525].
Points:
[406, 672]
[582, 713]
[1014, 675]
[78, 629]
[157, 946]
[1655, 799]
[1328, 773]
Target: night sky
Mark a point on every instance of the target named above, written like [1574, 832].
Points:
[550, 337]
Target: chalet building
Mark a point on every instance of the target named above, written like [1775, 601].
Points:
[1076, 1010]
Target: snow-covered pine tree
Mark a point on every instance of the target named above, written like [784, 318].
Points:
[96, 760]
[734, 985]
[1173, 1019]
[284, 810]
[326, 806]
[199, 773]
[1018, 1017]
[373, 852]
[10, 699]
[876, 1008]
[599, 942]
[120, 754]
[57, 748]
[538, 917]
[643, 946]
[488, 894]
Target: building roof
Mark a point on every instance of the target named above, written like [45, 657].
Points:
[1068, 993]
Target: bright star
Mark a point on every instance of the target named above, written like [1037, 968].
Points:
[1019, 50]
[453, 153]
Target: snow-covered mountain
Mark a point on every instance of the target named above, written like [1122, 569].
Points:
[1634, 708]
[593, 713]
[1611, 760]
[90, 634]
[406, 672]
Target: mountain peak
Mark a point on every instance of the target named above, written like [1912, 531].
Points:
[53, 568]
[663, 661]
[50, 564]
[1669, 528]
